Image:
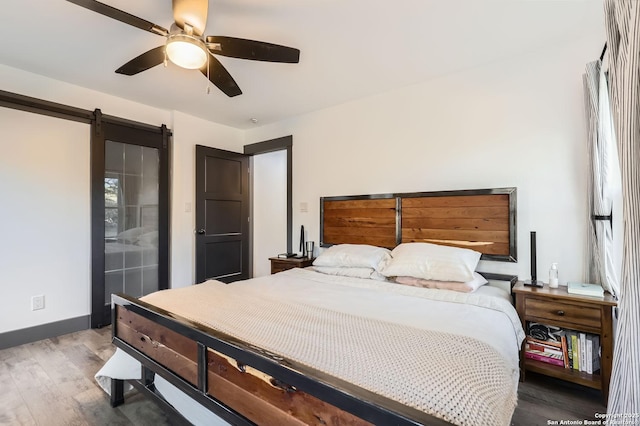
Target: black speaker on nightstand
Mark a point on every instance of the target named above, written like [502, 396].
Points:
[533, 282]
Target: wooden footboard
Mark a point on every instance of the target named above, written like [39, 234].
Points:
[244, 384]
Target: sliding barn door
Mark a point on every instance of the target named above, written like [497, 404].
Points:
[130, 221]
[222, 215]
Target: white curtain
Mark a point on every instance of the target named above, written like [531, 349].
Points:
[622, 22]
[602, 154]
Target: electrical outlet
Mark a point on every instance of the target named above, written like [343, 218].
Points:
[37, 302]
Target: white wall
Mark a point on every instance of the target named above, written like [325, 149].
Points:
[269, 209]
[189, 131]
[67, 287]
[37, 86]
[44, 219]
[518, 122]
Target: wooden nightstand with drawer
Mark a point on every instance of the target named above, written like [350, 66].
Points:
[279, 264]
[556, 307]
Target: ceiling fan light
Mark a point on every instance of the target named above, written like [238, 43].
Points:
[186, 51]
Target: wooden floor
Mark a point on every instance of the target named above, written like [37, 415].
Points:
[51, 383]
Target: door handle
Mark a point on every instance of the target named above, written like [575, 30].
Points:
[201, 231]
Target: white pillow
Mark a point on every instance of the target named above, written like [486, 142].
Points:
[354, 256]
[432, 262]
[130, 235]
[149, 239]
[366, 273]
[467, 287]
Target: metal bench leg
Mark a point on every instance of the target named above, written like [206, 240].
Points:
[117, 392]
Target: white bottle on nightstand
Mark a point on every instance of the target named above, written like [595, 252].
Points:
[553, 276]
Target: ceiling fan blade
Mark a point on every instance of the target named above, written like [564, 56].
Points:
[191, 12]
[251, 49]
[219, 76]
[121, 16]
[143, 62]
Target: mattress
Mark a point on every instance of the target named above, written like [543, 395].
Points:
[453, 355]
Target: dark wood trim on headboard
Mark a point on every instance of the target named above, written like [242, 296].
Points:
[480, 219]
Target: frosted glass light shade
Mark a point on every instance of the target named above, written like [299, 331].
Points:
[186, 51]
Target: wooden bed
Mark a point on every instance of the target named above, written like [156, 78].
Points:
[244, 384]
[194, 359]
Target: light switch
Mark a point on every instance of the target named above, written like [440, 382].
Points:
[304, 207]
[187, 207]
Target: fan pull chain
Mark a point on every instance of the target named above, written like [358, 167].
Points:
[208, 81]
[166, 63]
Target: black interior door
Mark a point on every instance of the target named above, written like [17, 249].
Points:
[222, 215]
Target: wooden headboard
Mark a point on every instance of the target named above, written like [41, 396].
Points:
[482, 219]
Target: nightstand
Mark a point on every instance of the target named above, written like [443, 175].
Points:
[279, 264]
[555, 306]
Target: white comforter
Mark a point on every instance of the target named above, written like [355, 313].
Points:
[409, 324]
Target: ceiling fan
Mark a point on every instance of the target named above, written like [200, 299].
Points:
[187, 47]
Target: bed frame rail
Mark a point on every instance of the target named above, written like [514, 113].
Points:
[196, 360]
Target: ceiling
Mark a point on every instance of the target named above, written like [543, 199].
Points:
[350, 49]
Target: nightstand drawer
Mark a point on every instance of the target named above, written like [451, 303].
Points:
[279, 266]
[558, 311]
[282, 264]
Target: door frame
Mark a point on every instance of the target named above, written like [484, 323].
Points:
[151, 136]
[265, 147]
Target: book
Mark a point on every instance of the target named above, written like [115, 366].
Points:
[544, 349]
[542, 358]
[588, 345]
[596, 353]
[545, 354]
[569, 349]
[575, 348]
[565, 351]
[593, 353]
[585, 289]
[544, 332]
[544, 342]
[286, 255]
[583, 352]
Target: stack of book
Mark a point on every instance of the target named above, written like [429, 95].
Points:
[583, 350]
[574, 350]
[544, 350]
